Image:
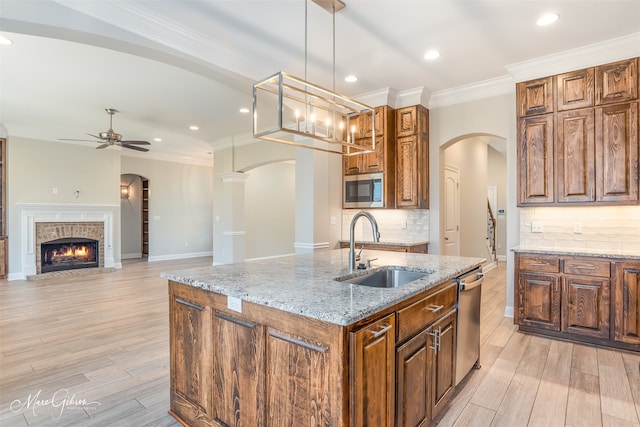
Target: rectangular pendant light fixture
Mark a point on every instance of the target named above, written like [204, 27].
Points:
[290, 110]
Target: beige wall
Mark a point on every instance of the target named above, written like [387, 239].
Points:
[52, 172]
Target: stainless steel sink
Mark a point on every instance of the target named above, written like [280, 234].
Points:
[385, 277]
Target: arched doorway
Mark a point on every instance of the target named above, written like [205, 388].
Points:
[134, 216]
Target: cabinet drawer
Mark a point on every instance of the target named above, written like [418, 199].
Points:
[587, 267]
[539, 264]
[427, 310]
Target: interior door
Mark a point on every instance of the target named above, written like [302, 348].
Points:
[451, 242]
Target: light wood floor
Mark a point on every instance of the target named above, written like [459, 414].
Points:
[98, 346]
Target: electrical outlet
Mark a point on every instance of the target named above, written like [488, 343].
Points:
[577, 228]
[403, 225]
[537, 227]
[55, 190]
[333, 220]
[234, 304]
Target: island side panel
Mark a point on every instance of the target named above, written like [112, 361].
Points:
[190, 326]
[265, 367]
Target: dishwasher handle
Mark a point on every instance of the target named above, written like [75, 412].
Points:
[468, 286]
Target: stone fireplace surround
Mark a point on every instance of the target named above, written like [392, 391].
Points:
[40, 222]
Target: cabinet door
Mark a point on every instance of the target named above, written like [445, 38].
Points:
[191, 383]
[535, 97]
[406, 121]
[575, 156]
[539, 301]
[617, 153]
[443, 361]
[238, 365]
[535, 160]
[372, 379]
[297, 381]
[627, 303]
[413, 406]
[374, 162]
[585, 306]
[378, 123]
[575, 89]
[407, 172]
[617, 82]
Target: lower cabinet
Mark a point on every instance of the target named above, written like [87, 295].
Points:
[372, 375]
[592, 299]
[264, 367]
[627, 299]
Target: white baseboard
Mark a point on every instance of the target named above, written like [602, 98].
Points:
[16, 276]
[268, 257]
[131, 256]
[153, 258]
[502, 257]
[508, 311]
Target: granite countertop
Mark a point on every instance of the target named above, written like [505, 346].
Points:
[407, 244]
[593, 252]
[305, 285]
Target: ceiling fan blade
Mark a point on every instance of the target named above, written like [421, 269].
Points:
[136, 142]
[105, 145]
[72, 139]
[133, 147]
[95, 136]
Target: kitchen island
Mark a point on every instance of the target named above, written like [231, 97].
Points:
[281, 342]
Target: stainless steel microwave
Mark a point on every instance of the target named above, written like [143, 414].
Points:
[364, 191]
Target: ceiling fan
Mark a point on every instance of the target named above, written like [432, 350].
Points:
[109, 137]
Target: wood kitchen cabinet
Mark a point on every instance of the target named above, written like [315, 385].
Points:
[575, 89]
[627, 300]
[535, 160]
[535, 97]
[373, 374]
[571, 297]
[425, 356]
[617, 169]
[383, 158]
[412, 157]
[592, 158]
[575, 156]
[190, 326]
[617, 82]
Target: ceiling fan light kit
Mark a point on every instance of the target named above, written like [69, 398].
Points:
[293, 111]
[109, 138]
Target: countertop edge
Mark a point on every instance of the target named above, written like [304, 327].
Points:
[596, 253]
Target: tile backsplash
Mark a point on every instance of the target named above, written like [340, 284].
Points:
[394, 225]
[596, 227]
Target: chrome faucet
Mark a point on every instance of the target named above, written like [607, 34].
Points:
[352, 245]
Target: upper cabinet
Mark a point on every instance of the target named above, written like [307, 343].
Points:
[535, 97]
[575, 89]
[617, 82]
[586, 151]
[362, 127]
[412, 163]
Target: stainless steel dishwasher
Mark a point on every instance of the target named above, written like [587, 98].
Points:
[468, 345]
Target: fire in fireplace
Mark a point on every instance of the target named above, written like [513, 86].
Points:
[68, 254]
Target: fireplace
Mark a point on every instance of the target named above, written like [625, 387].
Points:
[69, 253]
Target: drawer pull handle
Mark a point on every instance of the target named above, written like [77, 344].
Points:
[538, 264]
[585, 267]
[434, 308]
[382, 330]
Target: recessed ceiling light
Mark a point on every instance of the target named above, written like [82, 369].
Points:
[157, 139]
[547, 19]
[194, 127]
[431, 54]
[244, 110]
[5, 41]
[351, 78]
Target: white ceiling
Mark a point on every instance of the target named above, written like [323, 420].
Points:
[169, 64]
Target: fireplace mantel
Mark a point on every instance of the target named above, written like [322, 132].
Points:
[32, 213]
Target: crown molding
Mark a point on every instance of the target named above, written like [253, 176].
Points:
[472, 92]
[575, 59]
